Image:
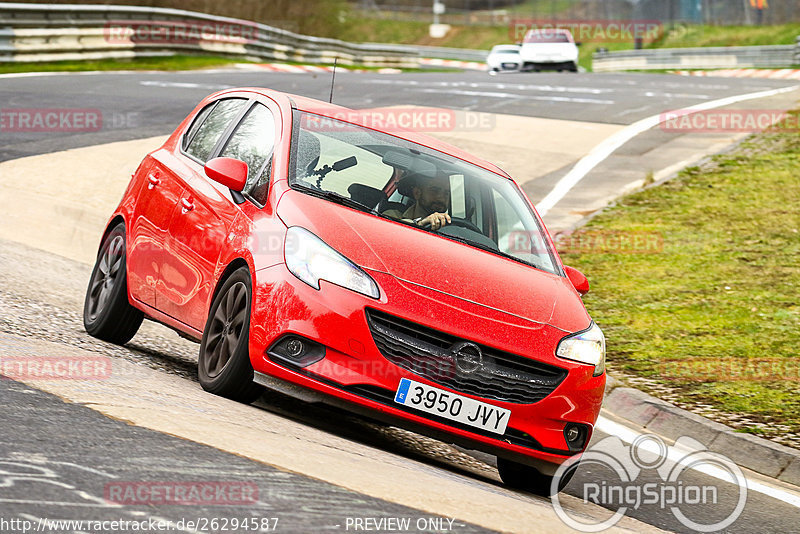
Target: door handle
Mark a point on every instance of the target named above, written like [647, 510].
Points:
[152, 181]
[186, 205]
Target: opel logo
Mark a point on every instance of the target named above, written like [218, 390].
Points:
[467, 357]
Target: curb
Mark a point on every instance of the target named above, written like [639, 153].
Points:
[660, 417]
[774, 74]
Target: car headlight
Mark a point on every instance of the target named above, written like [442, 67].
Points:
[310, 259]
[587, 347]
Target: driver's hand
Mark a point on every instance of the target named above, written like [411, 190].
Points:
[436, 220]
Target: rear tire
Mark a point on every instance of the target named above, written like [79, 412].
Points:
[223, 365]
[107, 313]
[524, 477]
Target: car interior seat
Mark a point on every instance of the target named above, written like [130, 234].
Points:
[364, 194]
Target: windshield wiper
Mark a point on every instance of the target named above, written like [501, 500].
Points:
[337, 198]
[492, 250]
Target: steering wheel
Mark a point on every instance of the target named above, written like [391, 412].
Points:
[463, 223]
[457, 221]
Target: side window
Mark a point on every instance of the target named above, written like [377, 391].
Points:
[208, 133]
[198, 120]
[253, 142]
[260, 188]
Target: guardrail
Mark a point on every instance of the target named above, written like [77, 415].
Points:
[58, 32]
[778, 56]
[442, 52]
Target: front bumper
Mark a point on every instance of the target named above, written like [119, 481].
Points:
[356, 376]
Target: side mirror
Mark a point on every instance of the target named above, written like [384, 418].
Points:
[578, 280]
[232, 173]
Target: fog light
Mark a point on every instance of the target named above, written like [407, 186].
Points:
[576, 436]
[295, 351]
[573, 434]
[295, 348]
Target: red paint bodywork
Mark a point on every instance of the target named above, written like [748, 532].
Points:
[185, 232]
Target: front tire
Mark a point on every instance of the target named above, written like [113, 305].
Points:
[527, 478]
[223, 365]
[107, 314]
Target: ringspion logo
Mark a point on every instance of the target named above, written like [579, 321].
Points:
[649, 474]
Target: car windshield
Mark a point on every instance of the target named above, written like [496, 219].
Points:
[393, 178]
[545, 36]
[505, 51]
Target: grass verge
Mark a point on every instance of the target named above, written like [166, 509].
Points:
[712, 317]
[173, 63]
[179, 62]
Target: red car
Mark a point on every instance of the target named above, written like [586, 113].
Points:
[386, 273]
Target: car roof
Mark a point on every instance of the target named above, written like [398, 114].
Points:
[336, 111]
[549, 31]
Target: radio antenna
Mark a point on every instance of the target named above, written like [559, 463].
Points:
[333, 79]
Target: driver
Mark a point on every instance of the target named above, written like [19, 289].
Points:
[432, 196]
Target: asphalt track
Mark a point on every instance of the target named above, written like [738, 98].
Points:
[138, 105]
[143, 104]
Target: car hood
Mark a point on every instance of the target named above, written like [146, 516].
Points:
[423, 259]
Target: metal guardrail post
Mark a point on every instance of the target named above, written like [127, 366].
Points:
[797, 51]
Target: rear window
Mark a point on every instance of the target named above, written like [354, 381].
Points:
[505, 51]
[546, 36]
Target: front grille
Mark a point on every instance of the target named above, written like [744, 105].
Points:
[428, 353]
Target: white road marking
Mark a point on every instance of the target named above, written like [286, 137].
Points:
[502, 85]
[516, 96]
[58, 73]
[53, 503]
[677, 455]
[185, 85]
[610, 145]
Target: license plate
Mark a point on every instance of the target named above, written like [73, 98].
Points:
[452, 406]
